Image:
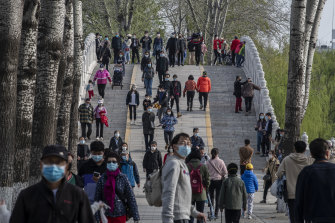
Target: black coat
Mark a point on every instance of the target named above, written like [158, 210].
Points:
[147, 118]
[164, 101]
[105, 54]
[89, 167]
[152, 161]
[133, 41]
[269, 131]
[117, 43]
[181, 45]
[176, 88]
[162, 65]
[137, 100]
[238, 88]
[197, 141]
[168, 87]
[113, 146]
[83, 151]
[171, 45]
[36, 204]
[146, 42]
[144, 62]
[158, 44]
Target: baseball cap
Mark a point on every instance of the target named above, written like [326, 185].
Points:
[249, 166]
[55, 150]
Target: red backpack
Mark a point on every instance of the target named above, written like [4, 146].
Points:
[196, 181]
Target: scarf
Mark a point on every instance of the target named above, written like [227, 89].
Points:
[109, 188]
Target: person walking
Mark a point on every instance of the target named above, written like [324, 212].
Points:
[217, 49]
[37, 203]
[146, 43]
[158, 46]
[163, 100]
[204, 156]
[191, 50]
[291, 167]
[148, 121]
[245, 153]
[199, 181]
[89, 89]
[133, 100]
[241, 54]
[102, 75]
[168, 86]
[189, 90]
[129, 168]
[86, 115]
[260, 126]
[171, 48]
[251, 185]
[248, 94]
[99, 111]
[196, 140]
[168, 122]
[233, 47]
[196, 41]
[162, 66]
[117, 46]
[152, 160]
[176, 93]
[105, 55]
[113, 188]
[83, 152]
[238, 93]
[233, 195]
[126, 48]
[267, 135]
[135, 44]
[147, 77]
[116, 142]
[204, 87]
[176, 184]
[217, 172]
[203, 52]
[181, 47]
[97, 45]
[270, 169]
[121, 60]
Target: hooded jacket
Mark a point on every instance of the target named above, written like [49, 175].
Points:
[204, 84]
[169, 121]
[129, 168]
[102, 77]
[291, 166]
[250, 181]
[194, 164]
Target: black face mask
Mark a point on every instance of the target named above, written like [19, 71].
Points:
[69, 166]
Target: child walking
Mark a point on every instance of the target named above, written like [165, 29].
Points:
[89, 89]
[251, 184]
[152, 159]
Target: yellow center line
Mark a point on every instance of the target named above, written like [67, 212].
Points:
[208, 121]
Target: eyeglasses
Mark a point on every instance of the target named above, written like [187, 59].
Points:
[111, 161]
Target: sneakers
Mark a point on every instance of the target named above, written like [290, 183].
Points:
[179, 115]
[263, 202]
[132, 122]
[201, 107]
[249, 217]
[166, 146]
[188, 108]
[97, 138]
[101, 139]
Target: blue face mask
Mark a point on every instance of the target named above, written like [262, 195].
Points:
[196, 134]
[162, 55]
[124, 158]
[82, 141]
[117, 36]
[112, 166]
[150, 109]
[184, 150]
[261, 117]
[53, 173]
[166, 79]
[97, 158]
[266, 118]
[149, 65]
[106, 38]
[174, 79]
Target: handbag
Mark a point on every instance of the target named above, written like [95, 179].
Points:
[267, 176]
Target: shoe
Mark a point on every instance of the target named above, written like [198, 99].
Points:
[201, 107]
[188, 109]
[249, 217]
[257, 153]
[179, 115]
[204, 109]
[263, 202]
[166, 146]
[241, 109]
[236, 112]
[97, 138]
[88, 138]
[191, 109]
[101, 138]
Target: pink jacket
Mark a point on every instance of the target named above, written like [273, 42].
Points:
[216, 168]
[102, 77]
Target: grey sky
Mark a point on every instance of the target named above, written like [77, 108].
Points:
[326, 23]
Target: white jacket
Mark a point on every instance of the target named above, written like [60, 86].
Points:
[4, 214]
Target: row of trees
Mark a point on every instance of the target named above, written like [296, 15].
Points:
[41, 51]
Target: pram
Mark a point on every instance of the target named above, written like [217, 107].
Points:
[227, 58]
[117, 76]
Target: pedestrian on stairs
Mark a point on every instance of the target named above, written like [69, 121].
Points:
[168, 122]
[86, 115]
[116, 142]
[162, 66]
[238, 93]
[148, 77]
[251, 185]
[99, 111]
[102, 75]
[129, 168]
[248, 94]
[133, 100]
[176, 93]
[148, 121]
[152, 160]
[163, 101]
[189, 90]
[196, 140]
[204, 87]
[270, 169]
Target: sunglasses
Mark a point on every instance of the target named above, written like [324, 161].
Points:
[111, 161]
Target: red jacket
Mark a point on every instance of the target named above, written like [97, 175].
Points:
[234, 44]
[217, 42]
[204, 84]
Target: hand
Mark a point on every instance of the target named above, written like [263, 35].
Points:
[95, 179]
[144, 170]
[78, 158]
[142, 79]
[197, 147]
[138, 185]
[201, 216]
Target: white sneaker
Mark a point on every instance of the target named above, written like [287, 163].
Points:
[97, 138]
[101, 138]
[249, 217]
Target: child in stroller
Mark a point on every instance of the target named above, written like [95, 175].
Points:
[117, 76]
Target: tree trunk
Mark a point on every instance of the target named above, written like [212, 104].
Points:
[49, 48]
[190, 4]
[210, 33]
[218, 13]
[10, 28]
[130, 16]
[223, 18]
[26, 81]
[205, 24]
[78, 71]
[296, 79]
[65, 96]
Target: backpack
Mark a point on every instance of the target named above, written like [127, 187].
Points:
[196, 181]
[153, 189]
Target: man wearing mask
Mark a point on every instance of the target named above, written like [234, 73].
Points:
[163, 99]
[52, 199]
[158, 45]
[267, 132]
[117, 46]
[146, 43]
[168, 85]
[116, 142]
[181, 46]
[176, 190]
[171, 47]
[83, 152]
[135, 44]
[176, 94]
[152, 159]
[86, 118]
[238, 93]
[91, 170]
[196, 140]
[148, 120]
[204, 87]
[162, 66]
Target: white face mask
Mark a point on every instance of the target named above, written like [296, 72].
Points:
[270, 156]
[169, 113]
[101, 69]
[153, 148]
[124, 148]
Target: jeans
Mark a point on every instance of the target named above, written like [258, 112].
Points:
[101, 89]
[172, 57]
[168, 137]
[232, 216]
[147, 141]
[240, 60]
[90, 94]
[267, 186]
[215, 186]
[266, 142]
[175, 98]
[180, 57]
[83, 130]
[134, 53]
[132, 109]
[200, 206]
[248, 101]
[259, 140]
[190, 96]
[100, 126]
[290, 203]
[238, 104]
[205, 96]
[127, 56]
[148, 86]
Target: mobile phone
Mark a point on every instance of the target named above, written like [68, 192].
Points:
[96, 174]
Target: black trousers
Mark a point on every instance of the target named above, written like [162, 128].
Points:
[161, 77]
[172, 57]
[175, 98]
[248, 102]
[132, 110]
[134, 52]
[200, 206]
[83, 130]
[100, 128]
[180, 56]
[233, 56]
[290, 203]
[232, 216]
[217, 56]
[205, 96]
[147, 141]
[190, 96]
[106, 63]
[215, 187]
[267, 186]
[101, 89]
[266, 143]
[197, 54]
[116, 54]
[168, 137]
[242, 169]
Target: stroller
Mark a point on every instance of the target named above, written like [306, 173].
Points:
[117, 76]
[227, 58]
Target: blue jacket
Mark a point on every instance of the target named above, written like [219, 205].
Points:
[169, 121]
[129, 169]
[250, 181]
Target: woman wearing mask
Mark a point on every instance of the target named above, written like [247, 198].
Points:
[189, 90]
[129, 168]
[126, 48]
[133, 100]
[270, 169]
[102, 75]
[113, 188]
[176, 94]
[121, 60]
[106, 55]
[168, 123]
[147, 77]
[99, 111]
[260, 126]
[116, 142]
[148, 121]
